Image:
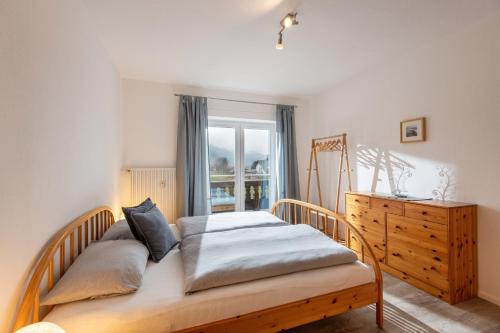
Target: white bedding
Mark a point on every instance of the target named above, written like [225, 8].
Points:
[217, 259]
[160, 305]
[194, 225]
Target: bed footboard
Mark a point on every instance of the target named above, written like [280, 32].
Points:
[294, 314]
[305, 311]
[295, 212]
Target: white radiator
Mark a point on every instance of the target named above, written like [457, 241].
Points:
[156, 183]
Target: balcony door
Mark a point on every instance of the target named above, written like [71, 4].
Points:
[241, 165]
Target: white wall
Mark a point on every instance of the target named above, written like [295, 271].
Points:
[454, 81]
[150, 124]
[150, 111]
[150, 120]
[60, 131]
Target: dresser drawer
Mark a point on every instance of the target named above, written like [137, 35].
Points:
[387, 206]
[427, 213]
[377, 245]
[426, 234]
[366, 218]
[358, 200]
[423, 254]
[405, 260]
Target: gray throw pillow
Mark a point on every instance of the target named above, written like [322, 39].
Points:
[119, 230]
[107, 268]
[141, 208]
[154, 232]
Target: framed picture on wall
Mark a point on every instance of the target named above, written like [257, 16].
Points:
[412, 130]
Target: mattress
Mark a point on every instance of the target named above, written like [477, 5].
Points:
[160, 305]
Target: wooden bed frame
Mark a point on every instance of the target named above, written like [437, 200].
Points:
[70, 241]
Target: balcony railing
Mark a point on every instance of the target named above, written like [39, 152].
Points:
[256, 194]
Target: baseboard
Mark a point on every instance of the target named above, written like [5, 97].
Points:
[489, 298]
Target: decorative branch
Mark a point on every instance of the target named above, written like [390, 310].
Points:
[445, 183]
[401, 181]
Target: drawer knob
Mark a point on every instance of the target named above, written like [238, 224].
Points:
[437, 258]
[356, 200]
[398, 227]
[424, 213]
[386, 206]
[396, 254]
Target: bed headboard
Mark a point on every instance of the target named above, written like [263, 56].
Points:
[57, 256]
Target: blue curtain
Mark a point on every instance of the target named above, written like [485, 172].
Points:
[288, 173]
[192, 143]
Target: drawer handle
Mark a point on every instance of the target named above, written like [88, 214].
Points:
[424, 213]
[398, 227]
[376, 221]
[437, 258]
[396, 254]
[352, 215]
[432, 236]
[356, 200]
[386, 206]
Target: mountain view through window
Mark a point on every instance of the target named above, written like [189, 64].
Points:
[240, 168]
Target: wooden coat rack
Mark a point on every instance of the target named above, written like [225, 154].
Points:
[330, 144]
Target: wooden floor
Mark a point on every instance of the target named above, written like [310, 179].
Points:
[408, 309]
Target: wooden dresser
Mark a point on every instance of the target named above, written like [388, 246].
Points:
[430, 244]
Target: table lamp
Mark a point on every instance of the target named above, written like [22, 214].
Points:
[41, 327]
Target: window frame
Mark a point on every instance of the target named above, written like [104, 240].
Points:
[240, 124]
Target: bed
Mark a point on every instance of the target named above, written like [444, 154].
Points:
[264, 305]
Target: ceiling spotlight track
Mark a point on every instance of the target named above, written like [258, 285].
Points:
[286, 22]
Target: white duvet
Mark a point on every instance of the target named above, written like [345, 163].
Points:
[218, 259]
[195, 225]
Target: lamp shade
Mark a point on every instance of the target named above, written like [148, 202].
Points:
[41, 327]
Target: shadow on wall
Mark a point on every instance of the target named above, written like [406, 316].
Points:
[381, 160]
[439, 179]
[376, 169]
[446, 189]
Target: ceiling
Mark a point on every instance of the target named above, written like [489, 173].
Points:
[229, 44]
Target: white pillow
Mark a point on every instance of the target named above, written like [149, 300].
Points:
[119, 230]
[113, 267]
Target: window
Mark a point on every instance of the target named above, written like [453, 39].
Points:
[241, 165]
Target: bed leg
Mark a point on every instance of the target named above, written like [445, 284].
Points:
[380, 314]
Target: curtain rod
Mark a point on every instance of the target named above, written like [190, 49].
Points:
[234, 100]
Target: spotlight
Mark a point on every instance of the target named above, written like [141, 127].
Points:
[286, 22]
[279, 44]
[289, 20]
